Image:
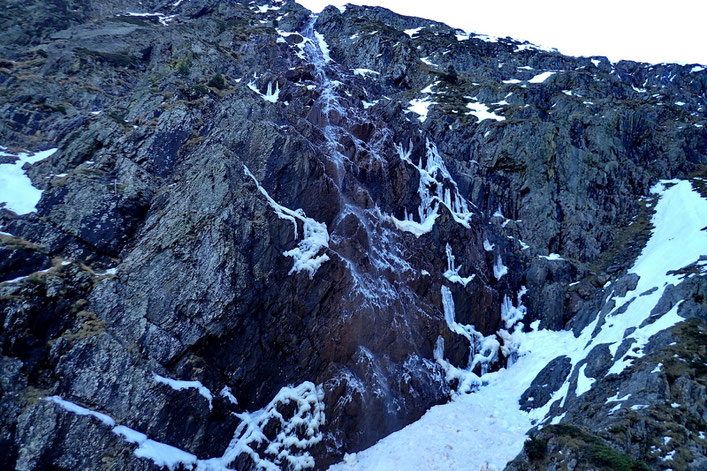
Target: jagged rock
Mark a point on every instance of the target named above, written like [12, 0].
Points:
[546, 383]
[184, 203]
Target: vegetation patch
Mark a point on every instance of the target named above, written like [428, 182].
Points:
[594, 450]
[89, 326]
[119, 59]
[535, 448]
[629, 240]
[217, 81]
[14, 242]
[133, 20]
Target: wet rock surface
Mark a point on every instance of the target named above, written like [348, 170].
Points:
[206, 148]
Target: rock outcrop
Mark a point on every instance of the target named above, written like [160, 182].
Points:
[253, 208]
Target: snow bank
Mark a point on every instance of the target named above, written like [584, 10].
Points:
[16, 189]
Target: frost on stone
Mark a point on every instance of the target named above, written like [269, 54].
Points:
[510, 313]
[179, 385]
[499, 269]
[452, 273]
[436, 187]
[271, 94]
[293, 418]
[483, 350]
[677, 240]
[306, 256]
[16, 190]
[488, 246]
[293, 432]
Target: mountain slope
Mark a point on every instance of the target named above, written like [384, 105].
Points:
[267, 237]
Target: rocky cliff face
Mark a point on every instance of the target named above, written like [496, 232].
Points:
[268, 237]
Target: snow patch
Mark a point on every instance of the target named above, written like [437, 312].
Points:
[481, 111]
[365, 72]
[161, 17]
[412, 31]
[426, 61]
[584, 383]
[16, 190]
[540, 78]
[266, 8]
[421, 107]
[77, 409]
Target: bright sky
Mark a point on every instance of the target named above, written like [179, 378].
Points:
[641, 30]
